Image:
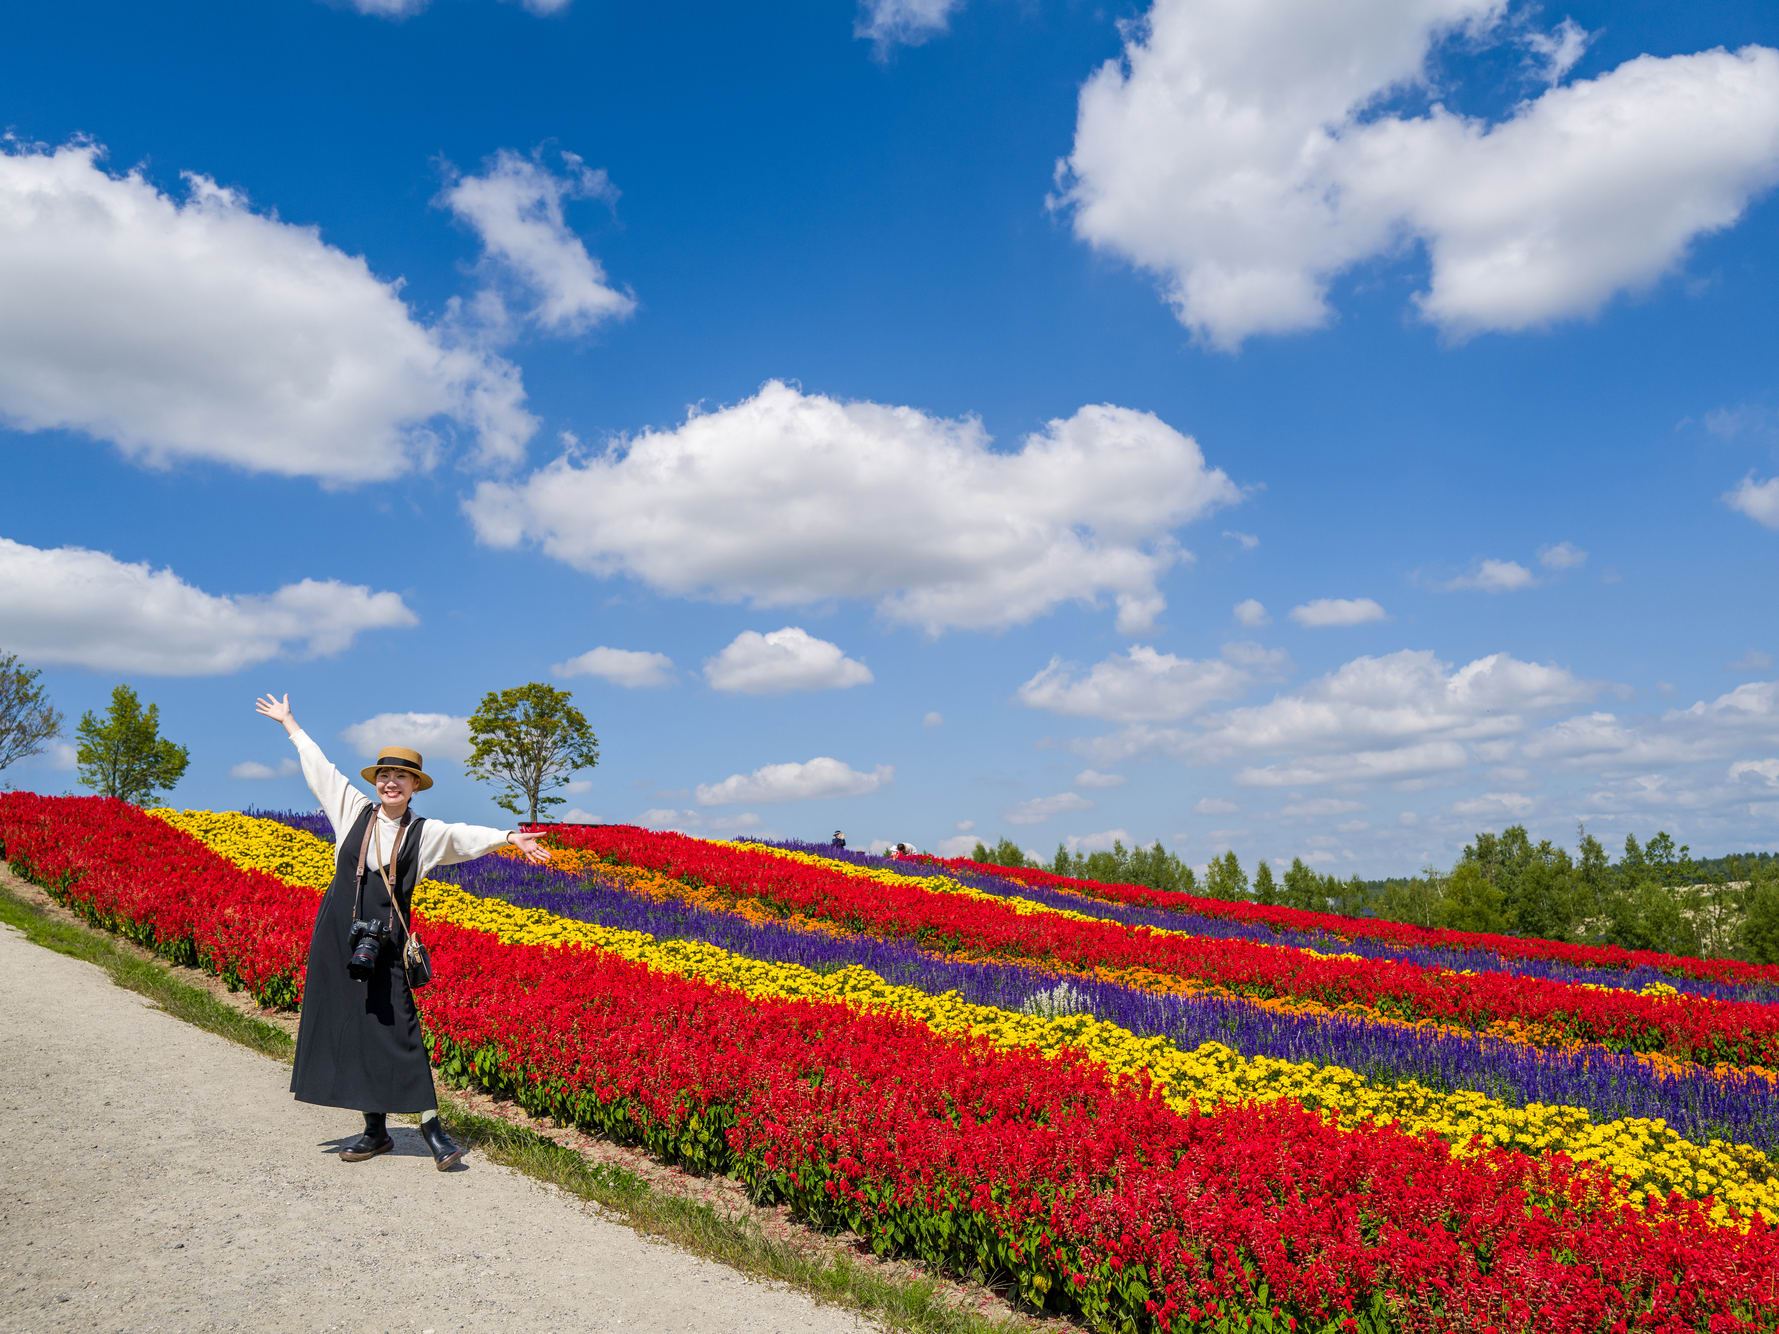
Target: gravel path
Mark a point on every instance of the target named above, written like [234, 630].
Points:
[157, 1178]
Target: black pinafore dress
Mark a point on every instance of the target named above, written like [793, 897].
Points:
[358, 1040]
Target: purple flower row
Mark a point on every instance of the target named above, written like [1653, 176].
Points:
[1741, 1108]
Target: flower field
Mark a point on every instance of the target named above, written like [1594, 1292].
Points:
[1147, 1111]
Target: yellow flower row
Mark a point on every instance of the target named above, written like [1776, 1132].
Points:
[1646, 1154]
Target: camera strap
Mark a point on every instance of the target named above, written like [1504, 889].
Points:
[389, 874]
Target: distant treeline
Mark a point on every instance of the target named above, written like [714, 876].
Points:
[1656, 896]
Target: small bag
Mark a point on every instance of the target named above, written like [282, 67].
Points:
[416, 962]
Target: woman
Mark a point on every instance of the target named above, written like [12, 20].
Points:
[358, 1037]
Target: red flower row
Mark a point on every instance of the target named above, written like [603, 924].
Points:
[1297, 919]
[1689, 1027]
[136, 875]
[1091, 1193]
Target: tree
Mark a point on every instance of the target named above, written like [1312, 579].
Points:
[1225, 879]
[1004, 853]
[26, 718]
[1760, 923]
[1303, 888]
[1471, 902]
[124, 754]
[1266, 889]
[529, 739]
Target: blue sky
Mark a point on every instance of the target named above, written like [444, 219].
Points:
[1321, 432]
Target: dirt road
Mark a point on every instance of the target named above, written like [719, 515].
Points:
[157, 1179]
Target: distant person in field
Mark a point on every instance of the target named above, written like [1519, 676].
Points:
[358, 1037]
[839, 839]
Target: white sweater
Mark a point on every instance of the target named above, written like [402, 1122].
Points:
[441, 844]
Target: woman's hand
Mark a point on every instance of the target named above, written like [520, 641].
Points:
[278, 710]
[531, 845]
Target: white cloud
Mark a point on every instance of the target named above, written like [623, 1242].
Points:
[401, 9]
[1216, 806]
[1706, 730]
[1352, 826]
[1237, 153]
[904, 22]
[821, 777]
[88, 609]
[1039, 809]
[778, 501]
[1767, 771]
[1100, 842]
[1144, 685]
[1251, 613]
[701, 822]
[1558, 51]
[1493, 576]
[1495, 805]
[1093, 778]
[1398, 764]
[965, 826]
[192, 327]
[783, 661]
[575, 815]
[933, 718]
[1758, 500]
[1337, 611]
[1752, 661]
[254, 770]
[576, 785]
[516, 208]
[1248, 540]
[960, 845]
[632, 668]
[61, 755]
[437, 736]
[1562, 556]
[1319, 808]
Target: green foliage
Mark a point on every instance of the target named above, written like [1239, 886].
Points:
[1225, 879]
[1154, 867]
[1004, 853]
[1266, 889]
[1470, 901]
[26, 718]
[1760, 923]
[124, 755]
[1304, 888]
[529, 739]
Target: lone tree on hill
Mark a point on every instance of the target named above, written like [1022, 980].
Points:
[124, 754]
[26, 718]
[530, 739]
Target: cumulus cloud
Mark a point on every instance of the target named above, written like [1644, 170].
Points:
[401, 9]
[1100, 842]
[783, 661]
[437, 736]
[1146, 685]
[1237, 153]
[1706, 730]
[254, 771]
[189, 326]
[1757, 771]
[1495, 806]
[701, 822]
[1562, 556]
[903, 22]
[777, 501]
[959, 845]
[931, 719]
[1247, 540]
[1752, 661]
[88, 609]
[1400, 717]
[1319, 808]
[1758, 500]
[1251, 613]
[1093, 778]
[1325, 612]
[630, 668]
[821, 777]
[1215, 806]
[515, 207]
[1492, 576]
[1039, 809]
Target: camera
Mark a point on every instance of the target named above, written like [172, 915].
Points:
[367, 939]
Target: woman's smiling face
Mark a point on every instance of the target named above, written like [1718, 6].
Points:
[394, 786]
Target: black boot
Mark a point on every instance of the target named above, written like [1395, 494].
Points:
[444, 1152]
[374, 1141]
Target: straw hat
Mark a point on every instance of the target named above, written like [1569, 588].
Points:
[398, 757]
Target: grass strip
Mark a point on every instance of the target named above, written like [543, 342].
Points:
[919, 1306]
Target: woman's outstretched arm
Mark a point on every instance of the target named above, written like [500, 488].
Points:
[340, 801]
[444, 844]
